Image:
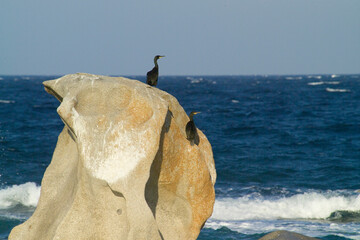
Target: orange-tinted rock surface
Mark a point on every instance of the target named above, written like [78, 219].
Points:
[122, 167]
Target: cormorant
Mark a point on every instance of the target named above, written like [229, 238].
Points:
[152, 76]
[191, 133]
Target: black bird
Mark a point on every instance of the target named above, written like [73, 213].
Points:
[152, 76]
[191, 133]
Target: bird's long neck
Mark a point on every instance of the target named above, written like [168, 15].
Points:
[156, 64]
[191, 117]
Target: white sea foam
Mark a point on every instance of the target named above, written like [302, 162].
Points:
[337, 90]
[26, 194]
[310, 205]
[235, 101]
[293, 78]
[315, 83]
[314, 76]
[304, 213]
[194, 80]
[321, 83]
[308, 228]
[6, 101]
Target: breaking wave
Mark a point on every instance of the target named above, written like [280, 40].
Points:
[313, 76]
[343, 216]
[6, 101]
[294, 78]
[26, 194]
[311, 205]
[337, 90]
[194, 79]
[321, 83]
[315, 214]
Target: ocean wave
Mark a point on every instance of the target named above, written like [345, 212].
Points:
[337, 90]
[345, 216]
[308, 228]
[26, 194]
[310, 205]
[195, 80]
[6, 101]
[321, 83]
[294, 78]
[314, 76]
[315, 214]
[315, 83]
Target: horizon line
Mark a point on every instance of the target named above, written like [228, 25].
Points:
[193, 75]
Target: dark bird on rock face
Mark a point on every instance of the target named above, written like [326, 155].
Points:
[191, 133]
[152, 76]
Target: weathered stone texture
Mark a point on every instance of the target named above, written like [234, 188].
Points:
[122, 167]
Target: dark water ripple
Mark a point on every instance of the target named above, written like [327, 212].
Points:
[273, 131]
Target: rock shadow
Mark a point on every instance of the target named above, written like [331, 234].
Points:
[152, 188]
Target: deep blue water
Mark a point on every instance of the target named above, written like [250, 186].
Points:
[286, 148]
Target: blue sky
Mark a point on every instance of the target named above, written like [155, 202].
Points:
[212, 37]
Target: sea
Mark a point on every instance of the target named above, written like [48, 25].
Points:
[286, 149]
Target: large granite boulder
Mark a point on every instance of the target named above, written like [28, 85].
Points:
[122, 167]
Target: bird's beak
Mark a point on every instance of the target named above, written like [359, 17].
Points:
[196, 112]
[161, 56]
